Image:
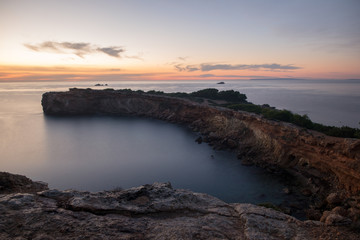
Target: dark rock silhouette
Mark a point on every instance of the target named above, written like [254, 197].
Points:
[10, 183]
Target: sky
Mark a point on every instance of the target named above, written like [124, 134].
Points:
[46, 40]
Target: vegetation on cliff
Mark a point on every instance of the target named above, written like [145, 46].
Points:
[237, 101]
[297, 119]
[209, 93]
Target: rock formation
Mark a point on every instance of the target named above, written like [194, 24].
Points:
[322, 165]
[154, 211]
[10, 183]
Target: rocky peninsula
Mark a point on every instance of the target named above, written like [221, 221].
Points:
[326, 170]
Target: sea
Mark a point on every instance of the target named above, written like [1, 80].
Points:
[96, 153]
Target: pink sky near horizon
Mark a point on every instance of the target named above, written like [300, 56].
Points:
[179, 40]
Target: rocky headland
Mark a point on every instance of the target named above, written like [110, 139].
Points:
[31, 211]
[324, 169]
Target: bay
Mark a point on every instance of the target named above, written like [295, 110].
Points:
[102, 153]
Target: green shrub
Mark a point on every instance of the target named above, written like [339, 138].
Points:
[231, 96]
[300, 120]
[303, 121]
[214, 94]
[178, 94]
[210, 93]
[237, 101]
[155, 92]
[274, 114]
[246, 107]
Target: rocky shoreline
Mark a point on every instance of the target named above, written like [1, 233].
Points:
[324, 169]
[29, 210]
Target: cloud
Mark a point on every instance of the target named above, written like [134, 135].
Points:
[274, 66]
[232, 76]
[179, 67]
[182, 58]
[78, 48]
[112, 51]
[188, 68]
[138, 57]
[75, 77]
[207, 75]
[205, 67]
[191, 68]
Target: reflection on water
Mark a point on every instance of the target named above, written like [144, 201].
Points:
[96, 153]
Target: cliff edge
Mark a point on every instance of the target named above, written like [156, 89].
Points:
[154, 211]
[326, 169]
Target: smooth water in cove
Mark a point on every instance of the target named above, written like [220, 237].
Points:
[97, 153]
[103, 153]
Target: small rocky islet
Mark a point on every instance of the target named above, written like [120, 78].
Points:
[326, 170]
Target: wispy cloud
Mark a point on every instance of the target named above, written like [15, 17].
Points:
[112, 51]
[78, 48]
[138, 56]
[188, 68]
[207, 75]
[232, 76]
[182, 58]
[210, 67]
[74, 77]
[274, 66]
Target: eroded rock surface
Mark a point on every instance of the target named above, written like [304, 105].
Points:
[154, 211]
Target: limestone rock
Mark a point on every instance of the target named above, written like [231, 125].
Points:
[155, 211]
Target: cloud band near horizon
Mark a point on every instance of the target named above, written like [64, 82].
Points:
[210, 67]
[78, 48]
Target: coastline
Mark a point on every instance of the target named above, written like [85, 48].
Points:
[321, 166]
[155, 211]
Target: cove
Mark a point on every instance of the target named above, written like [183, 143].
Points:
[96, 153]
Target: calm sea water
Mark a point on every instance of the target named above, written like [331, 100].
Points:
[102, 153]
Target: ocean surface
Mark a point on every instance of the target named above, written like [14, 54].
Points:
[103, 153]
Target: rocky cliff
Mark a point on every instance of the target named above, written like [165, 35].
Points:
[154, 211]
[326, 169]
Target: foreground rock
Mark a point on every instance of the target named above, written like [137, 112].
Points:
[12, 183]
[322, 166]
[154, 211]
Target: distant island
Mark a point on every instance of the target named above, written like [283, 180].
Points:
[100, 85]
[221, 83]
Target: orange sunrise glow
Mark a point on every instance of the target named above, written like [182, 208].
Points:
[231, 41]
